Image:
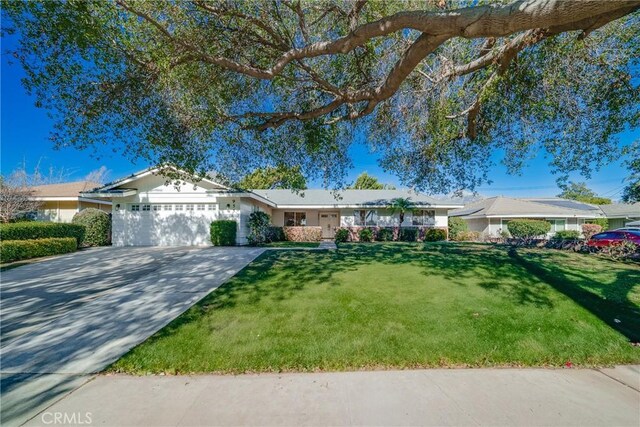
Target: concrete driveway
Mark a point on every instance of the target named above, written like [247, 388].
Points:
[68, 317]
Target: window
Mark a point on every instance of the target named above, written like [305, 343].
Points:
[188, 207]
[212, 207]
[178, 207]
[167, 207]
[424, 217]
[295, 219]
[200, 207]
[155, 208]
[135, 208]
[146, 208]
[365, 217]
[558, 225]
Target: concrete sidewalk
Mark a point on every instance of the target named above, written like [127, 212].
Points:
[514, 397]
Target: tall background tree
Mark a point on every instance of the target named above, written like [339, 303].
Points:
[270, 178]
[435, 86]
[580, 192]
[16, 199]
[631, 192]
[364, 181]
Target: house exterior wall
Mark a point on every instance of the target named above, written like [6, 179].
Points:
[164, 225]
[492, 227]
[620, 222]
[64, 210]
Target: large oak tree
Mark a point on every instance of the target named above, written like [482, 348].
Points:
[435, 86]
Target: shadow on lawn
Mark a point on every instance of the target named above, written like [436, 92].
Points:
[281, 274]
[614, 308]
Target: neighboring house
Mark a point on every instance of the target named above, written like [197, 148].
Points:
[621, 214]
[147, 212]
[60, 202]
[491, 216]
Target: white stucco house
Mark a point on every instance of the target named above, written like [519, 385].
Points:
[491, 216]
[146, 211]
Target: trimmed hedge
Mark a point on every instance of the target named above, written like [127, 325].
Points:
[41, 230]
[435, 235]
[275, 234]
[528, 228]
[567, 235]
[302, 233]
[408, 234]
[365, 235]
[342, 235]
[385, 235]
[97, 224]
[223, 232]
[15, 250]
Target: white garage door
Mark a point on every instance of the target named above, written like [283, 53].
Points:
[166, 224]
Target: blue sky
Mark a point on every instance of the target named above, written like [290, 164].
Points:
[25, 138]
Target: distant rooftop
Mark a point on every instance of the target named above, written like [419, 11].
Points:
[66, 189]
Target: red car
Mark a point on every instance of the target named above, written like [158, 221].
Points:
[615, 237]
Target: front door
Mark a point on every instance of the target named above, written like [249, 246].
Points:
[329, 222]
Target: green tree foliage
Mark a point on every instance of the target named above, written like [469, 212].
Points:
[631, 193]
[435, 87]
[401, 206]
[279, 177]
[580, 192]
[364, 181]
[457, 225]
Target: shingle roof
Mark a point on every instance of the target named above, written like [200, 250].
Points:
[565, 203]
[351, 198]
[506, 206]
[621, 210]
[66, 189]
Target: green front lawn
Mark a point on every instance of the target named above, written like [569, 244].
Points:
[405, 305]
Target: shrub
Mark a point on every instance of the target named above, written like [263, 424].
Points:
[528, 228]
[15, 250]
[602, 222]
[385, 235]
[275, 234]
[223, 232]
[435, 235]
[365, 235]
[567, 235]
[590, 229]
[97, 226]
[342, 235]
[468, 236]
[408, 234]
[457, 225]
[258, 228]
[41, 230]
[302, 234]
[622, 250]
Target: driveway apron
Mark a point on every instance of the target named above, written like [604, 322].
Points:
[67, 318]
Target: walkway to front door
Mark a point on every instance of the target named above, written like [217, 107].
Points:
[329, 221]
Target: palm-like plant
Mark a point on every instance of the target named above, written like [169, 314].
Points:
[401, 206]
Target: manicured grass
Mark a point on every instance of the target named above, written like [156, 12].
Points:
[287, 244]
[376, 306]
